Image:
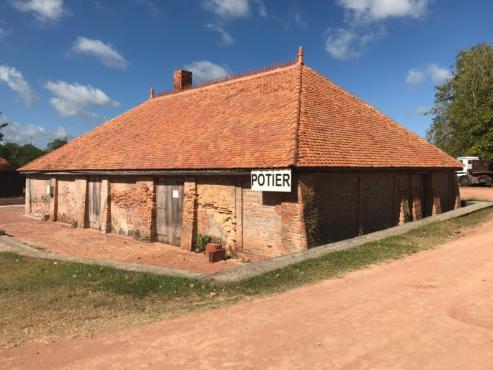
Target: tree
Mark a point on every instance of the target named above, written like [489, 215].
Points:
[3, 124]
[463, 109]
[19, 155]
[55, 144]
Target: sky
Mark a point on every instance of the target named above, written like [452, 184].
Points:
[66, 66]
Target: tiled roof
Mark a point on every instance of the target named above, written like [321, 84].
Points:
[5, 165]
[336, 129]
[287, 116]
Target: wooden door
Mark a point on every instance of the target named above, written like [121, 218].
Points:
[169, 210]
[94, 202]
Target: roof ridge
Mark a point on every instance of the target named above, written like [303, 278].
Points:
[229, 78]
[299, 86]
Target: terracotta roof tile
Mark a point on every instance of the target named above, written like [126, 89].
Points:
[255, 121]
[337, 129]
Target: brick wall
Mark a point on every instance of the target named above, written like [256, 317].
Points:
[216, 210]
[39, 201]
[132, 207]
[323, 207]
[68, 201]
[272, 223]
[338, 206]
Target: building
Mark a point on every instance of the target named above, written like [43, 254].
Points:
[11, 182]
[179, 164]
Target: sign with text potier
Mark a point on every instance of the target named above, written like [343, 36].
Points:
[271, 180]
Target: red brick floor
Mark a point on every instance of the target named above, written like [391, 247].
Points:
[64, 240]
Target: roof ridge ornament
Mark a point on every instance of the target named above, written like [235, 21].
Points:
[151, 93]
[300, 55]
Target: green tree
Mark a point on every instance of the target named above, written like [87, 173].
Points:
[3, 124]
[19, 155]
[55, 144]
[463, 109]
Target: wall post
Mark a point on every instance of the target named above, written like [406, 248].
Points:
[105, 216]
[189, 217]
[28, 196]
[53, 198]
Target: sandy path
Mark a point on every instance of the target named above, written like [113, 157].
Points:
[431, 310]
[476, 193]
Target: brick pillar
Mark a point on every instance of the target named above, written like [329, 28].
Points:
[81, 193]
[404, 191]
[105, 216]
[455, 185]
[53, 198]
[416, 193]
[144, 228]
[28, 196]
[404, 211]
[239, 217]
[189, 220]
[437, 206]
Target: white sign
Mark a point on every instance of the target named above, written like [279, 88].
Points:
[176, 194]
[271, 180]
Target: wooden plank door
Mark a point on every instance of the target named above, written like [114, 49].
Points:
[94, 202]
[169, 210]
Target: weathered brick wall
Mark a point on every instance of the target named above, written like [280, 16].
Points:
[39, 200]
[330, 206]
[378, 207]
[68, 200]
[443, 185]
[322, 207]
[133, 207]
[216, 216]
[342, 205]
[273, 223]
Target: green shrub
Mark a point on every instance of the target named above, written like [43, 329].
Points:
[201, 241]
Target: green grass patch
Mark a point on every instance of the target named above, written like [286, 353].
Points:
[41, 299]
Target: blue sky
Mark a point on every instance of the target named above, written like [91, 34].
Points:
[67, 66]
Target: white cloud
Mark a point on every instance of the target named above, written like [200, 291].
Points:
[228, 8]
[31, 134]
[261, 8]
[204, 70]
[345, 44]
[43, 10]
[227, 39]
[15, 80]
[365, 23]
[71, 100]
[108, 55]
[374, 10]
[300, 19]
[417, 76]
[439, 75]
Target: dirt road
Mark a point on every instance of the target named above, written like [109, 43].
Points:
[430, 310]
[476, 193]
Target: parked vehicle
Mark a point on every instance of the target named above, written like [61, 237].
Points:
[475, 171]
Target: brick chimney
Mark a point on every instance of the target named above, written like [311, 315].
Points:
[181, 80]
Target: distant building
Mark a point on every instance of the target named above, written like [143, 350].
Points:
[11, 182]
[180, 164]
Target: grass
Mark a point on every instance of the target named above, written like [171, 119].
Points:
[42, 299]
